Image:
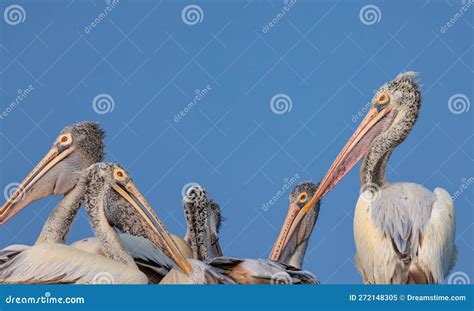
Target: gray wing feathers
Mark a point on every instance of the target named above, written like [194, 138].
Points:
[139, 248]
[421, 226]
[202, 273]
[11, 251]
[438, 252]
[278, 273]
[402, 214]
[143, 249]
[57, 263]
[263, 270]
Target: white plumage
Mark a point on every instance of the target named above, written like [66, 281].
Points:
[57, 263]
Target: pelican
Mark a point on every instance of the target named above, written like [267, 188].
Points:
[292, 252]
[150, 259]
[242, 271]
[59, 263]
[77, 147]
[203, 218]
[286, 258]
[403, 232]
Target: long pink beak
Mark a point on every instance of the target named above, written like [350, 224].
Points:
[352, 152]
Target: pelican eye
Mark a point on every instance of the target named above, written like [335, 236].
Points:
[383, 98]
[302, 197]
[119, 174]
[65, 139]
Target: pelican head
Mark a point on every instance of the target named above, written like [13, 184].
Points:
[109, 186]
[290, 249]
[76, 148]
[393, 113]
[203, 217]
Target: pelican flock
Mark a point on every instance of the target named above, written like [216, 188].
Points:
[403, 232]
[203, 219]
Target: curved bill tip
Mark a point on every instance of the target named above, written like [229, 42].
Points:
[140, 204]
[26, 193]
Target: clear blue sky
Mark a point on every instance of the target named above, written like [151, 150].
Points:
[323, 56]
